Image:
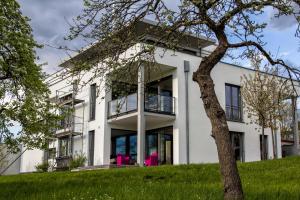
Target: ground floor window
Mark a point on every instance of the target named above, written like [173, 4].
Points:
[91, 147]
[265, 146]
[158, 141]
[63, 146]
[237, 140]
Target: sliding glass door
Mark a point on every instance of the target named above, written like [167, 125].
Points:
[160, 141]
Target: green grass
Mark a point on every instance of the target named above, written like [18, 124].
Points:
[277, 179]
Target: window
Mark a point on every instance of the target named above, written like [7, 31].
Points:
[92, 101]
[237, 141]
[63, 147]
[264, 157]
[91, 147]
[233, 103]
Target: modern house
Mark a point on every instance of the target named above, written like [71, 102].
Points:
[164, 117]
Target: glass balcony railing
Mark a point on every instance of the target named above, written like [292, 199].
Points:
[122, 105]
[159, 104]
[153, 103]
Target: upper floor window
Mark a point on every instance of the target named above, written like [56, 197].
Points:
[92, 102]
[233, 102]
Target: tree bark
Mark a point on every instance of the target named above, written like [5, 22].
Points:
[263, 142]
[273, 143]
[220, 131]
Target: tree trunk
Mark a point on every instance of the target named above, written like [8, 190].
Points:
[263, 142]
[220, 131]
[273, 143]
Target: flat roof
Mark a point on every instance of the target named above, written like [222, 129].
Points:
[143, 30]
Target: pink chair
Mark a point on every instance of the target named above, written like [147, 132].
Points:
[120, 160]
[152, 160]
[127, 160]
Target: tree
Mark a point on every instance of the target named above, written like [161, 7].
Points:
[264, 95]
[25, 109]
[233, 24]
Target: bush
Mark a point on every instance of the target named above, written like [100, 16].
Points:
[43, 167]
[78, 161]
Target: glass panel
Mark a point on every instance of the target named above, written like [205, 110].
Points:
[237, 144]
[168, 156]
[133, 147]
[121, 145]
[92, 101]
[121, 108]
[151, 102]
[151, 144]
[235, 96]
[113, 108]
[63, 147]
[228, 95]
[132, 102]
[166, 104]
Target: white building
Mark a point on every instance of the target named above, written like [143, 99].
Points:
[166, 117]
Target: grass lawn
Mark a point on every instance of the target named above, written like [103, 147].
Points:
[277, 179]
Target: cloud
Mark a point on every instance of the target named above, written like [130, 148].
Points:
[49, 21]
[282, 22]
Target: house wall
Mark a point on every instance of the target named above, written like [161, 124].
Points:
[30, 159]
[202, 147]
[11, 162]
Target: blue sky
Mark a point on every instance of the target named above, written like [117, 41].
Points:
[50, 18]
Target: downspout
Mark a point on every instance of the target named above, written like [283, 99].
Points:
[187, 120]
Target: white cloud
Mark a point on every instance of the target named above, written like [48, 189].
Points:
[49, 21]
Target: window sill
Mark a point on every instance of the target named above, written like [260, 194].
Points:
[237, 121]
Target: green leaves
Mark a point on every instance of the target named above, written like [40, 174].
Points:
[25, 116]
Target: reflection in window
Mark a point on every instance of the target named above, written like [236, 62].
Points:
[121, 145]
[233, 103]
[63, 146]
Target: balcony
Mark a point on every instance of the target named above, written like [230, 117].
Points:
[160, 104]
[70, 125]
[153, 103]
[122, 106]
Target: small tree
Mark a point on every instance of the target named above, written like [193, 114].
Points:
[264, 95]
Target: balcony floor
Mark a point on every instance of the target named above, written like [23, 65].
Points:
[129, 121]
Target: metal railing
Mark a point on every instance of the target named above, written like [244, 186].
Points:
[234, 113]
[122, 105]
[160, 104]
[153, 103]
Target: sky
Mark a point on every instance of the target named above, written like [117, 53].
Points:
[50, 21]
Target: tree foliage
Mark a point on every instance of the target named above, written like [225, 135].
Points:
[233, 24]
[23, 95]
[265, 96]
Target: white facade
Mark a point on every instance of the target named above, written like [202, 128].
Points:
[201, 146]
[180, 133]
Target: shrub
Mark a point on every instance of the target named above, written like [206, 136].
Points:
[78, 161]
[43, 167]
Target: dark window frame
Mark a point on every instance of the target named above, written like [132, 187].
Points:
[230, 115]
[91, 147]
[241, 145]
[93, 91]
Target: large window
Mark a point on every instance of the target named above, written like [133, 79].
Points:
[92, 102]
[125, 145]
[237, 141]
[63, 147]
[233, 102]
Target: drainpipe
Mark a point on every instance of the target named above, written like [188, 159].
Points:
[187, 120]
